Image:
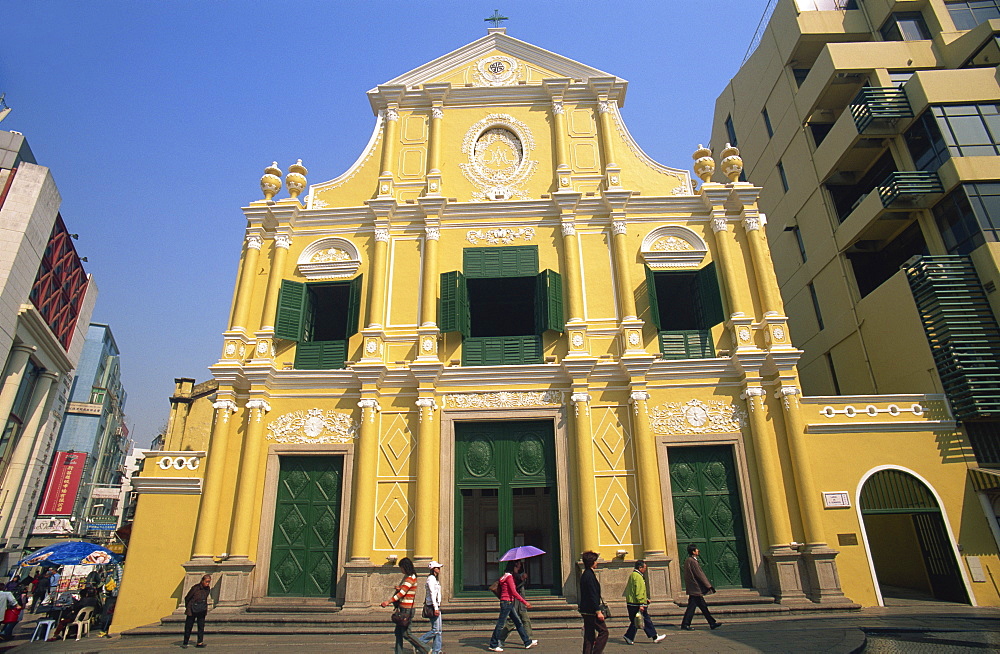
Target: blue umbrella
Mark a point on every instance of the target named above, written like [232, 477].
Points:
[70, 553]
[521, 552]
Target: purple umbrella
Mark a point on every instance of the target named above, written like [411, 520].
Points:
[521, 552]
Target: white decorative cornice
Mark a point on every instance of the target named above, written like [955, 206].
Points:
[254, 242]
[568, 229]
[719, 225]
[166, 485]
[619, 227]
[437, 112]
[392, 114]
[433, 233]
[313, 426]
[557, 108]
[382, 235]
[697, 417]
[673, 246]
[283, 241]
[329, 258]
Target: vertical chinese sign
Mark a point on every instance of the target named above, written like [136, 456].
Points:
[64, 482]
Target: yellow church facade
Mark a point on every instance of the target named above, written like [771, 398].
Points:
[506, 325]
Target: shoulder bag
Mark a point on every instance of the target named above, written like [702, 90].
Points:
[603, 608]
[428, 611]
[401, 619]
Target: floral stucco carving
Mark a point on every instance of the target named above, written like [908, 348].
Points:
[312, 426]
[502, 399]
[697, 417]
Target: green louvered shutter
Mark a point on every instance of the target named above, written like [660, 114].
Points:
[654, 304]
[709, 297]
[549, 302]
[519, 261]
[354, 306]
[321, 355]
[453, 307]
[293, 309]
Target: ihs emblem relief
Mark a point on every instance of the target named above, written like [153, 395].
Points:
[498, 148]
[497, 70]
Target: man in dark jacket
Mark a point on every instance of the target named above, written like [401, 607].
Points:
[697, 585]
[595, 632]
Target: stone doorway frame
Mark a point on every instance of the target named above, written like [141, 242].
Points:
[664, 442]
[269, 499]
[446, 530]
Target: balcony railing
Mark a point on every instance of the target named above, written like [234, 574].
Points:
[879, 104]
[908, 185]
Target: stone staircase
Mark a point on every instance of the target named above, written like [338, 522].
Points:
[292, 616]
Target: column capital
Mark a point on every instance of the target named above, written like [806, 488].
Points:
[568, 228]
[619, 227]
[258, 407]
[557, 108]
[283, 241]
[752, 220]
[720, 224]
[225, 408]
[254, 242]
[392, 113]
[382, 235]
[437, 112]
[432, 233]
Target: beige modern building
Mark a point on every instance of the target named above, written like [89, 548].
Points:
[46, 299]
[874, 129]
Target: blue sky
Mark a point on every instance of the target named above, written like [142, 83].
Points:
[158, 118]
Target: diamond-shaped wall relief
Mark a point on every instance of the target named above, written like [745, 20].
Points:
[397, 446]
[611, 439]
[618, 512]
[394, 514]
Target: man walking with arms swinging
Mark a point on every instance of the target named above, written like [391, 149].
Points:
[697, 585]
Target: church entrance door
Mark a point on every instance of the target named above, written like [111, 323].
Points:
[505, 496]
[708, 512]
[306, 527]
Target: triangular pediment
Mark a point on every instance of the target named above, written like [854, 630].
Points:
[497, 60]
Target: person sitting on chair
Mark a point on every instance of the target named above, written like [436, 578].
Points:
[88, 599]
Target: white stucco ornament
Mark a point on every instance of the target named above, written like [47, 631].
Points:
[312, 426]
[497, 70]
[498, 148]
[500, 235]
[697, 417]
[502, 399]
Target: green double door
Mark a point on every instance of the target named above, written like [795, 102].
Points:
[708, 512]
[306, 527]
[505, 496]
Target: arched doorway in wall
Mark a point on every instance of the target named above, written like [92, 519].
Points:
[911, 552]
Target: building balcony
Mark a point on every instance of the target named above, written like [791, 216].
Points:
[879, 106]
[841, 69]
[847, 152]
[910, 189]
[806, 26]
[879, 10]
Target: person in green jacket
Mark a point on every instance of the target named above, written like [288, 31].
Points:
[638, 603]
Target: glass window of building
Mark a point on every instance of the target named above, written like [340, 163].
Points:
[781, 174]
[926, 145]
[966, 14]
[969, 216]
[731, 131]
[800, 75]
[898, 78]
[767, 122]
[970, 130]
[905, 26]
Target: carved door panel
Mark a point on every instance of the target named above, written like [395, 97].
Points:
[708, 512]
[306, 527]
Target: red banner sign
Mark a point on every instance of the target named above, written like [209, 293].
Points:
[64, 482]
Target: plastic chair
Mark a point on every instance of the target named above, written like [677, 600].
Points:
[82, 623]
[43, 625]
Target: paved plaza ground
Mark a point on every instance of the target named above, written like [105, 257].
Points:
[942, 629]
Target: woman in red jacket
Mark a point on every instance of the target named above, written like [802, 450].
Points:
[508, 594]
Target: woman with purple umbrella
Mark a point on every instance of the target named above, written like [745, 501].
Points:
[520, 609]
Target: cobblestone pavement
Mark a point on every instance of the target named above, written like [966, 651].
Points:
[889, 631]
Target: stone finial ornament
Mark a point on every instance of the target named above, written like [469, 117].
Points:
[296, 179]
[704, 164]
[270, 183]
[732, 163]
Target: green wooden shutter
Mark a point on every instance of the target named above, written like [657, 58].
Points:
[321, 355]
[519, 261]
[453, 307]
[549, 302]
[354, 306]
[709, 297]
[293, 308]
[654, 304]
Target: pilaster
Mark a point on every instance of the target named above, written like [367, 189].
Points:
[248, 275]
[205, 538]
[245, 508]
